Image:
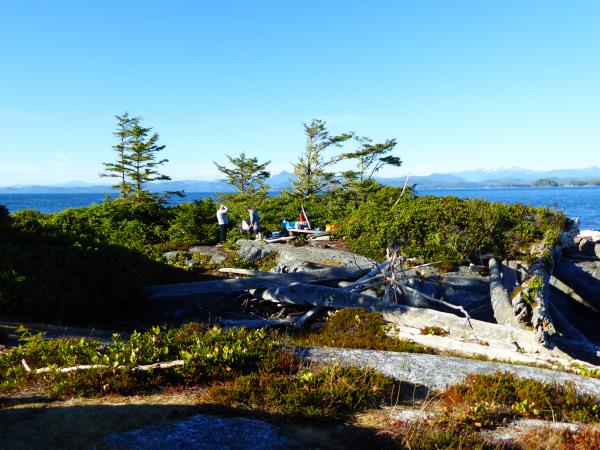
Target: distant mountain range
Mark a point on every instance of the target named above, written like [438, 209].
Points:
[501, 177]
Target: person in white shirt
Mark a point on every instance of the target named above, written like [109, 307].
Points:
[223, 221]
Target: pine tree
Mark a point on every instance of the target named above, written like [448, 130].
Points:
[136, 162]
[370, 158]
[142, 163]
[247, 174]
[311, 170]
[119, 169]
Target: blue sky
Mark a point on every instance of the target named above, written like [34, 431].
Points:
[461, 85]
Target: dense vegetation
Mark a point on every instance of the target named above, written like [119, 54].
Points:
[249, 368]
[252, 370]
[89, 264]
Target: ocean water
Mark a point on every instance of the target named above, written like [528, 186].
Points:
[575, 202]
[51, 203]
[580, 202]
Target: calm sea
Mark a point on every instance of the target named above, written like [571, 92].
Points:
[581, 202]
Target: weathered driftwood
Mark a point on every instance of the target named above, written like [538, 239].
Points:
[439, 301]
[307, 318]
[541, 320]
[232, 286]
[309, 294]
[501, 304]
[145, 367]
[258, 323]
[280, 240]
[567, 290]
[248, 272]
[573, 341]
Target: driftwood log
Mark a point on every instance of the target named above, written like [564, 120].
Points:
[233, 286]
[310, 294]
[145, 367]
[501, 304]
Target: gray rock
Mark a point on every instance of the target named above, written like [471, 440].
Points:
[217, 254]
[292, 259]
[597, 251]
[254, 251]
[439, 372]
[173, 254]
[202, 432]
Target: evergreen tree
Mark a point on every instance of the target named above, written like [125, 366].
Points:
[119, 169]
[141, 159]
[370, 159]
[136, 157]
[247, 174]
[311, 170]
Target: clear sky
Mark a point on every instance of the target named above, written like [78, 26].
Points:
[460, 84]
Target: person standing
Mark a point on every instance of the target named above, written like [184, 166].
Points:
[254, 223]
[223, 221]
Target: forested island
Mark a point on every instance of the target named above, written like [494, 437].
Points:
[94, 266]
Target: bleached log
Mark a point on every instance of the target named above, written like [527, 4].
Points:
[573, 341]
[234, 286]
[145, 367]
[501, 304]
[258, 323]
[567, 290]
[305, 319]
[379, 268]
[439, 301]
[359, 285]
[161, 365]
[283, 239]
[248, 272]
[308, 294]
[69, 369]
[541, 320]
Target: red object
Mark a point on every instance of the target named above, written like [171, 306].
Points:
[302, 218]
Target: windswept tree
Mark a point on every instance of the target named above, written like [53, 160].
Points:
[247, 175]
[137, 161]
[312, 170]
[370, 158]
[119, 169]
[143, 162]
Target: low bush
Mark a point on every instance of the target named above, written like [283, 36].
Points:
[485, 400]
[358, 328]
[316, 393]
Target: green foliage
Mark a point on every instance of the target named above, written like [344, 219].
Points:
[86, 265]
[240, 263]
[247, 175]
[193, 223]
[446, 228]
[484, 400]
[370, 158]
[268, 262]
[312, 169]
[136, 162]
[319, 393]
[434, 331]
[212, 354]
[358, 328]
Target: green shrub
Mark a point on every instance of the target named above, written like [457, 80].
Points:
[358, 328]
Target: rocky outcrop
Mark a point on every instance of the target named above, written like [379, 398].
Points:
[438, 372]
[202, 431]
[292, 259]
